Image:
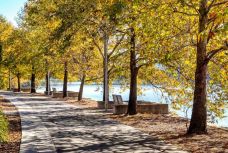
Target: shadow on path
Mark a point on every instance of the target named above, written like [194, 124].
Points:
[54, 126]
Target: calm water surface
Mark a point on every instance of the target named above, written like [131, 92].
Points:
[149, 94]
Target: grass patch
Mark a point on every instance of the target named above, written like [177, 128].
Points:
[3, 127]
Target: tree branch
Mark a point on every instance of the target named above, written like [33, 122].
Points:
[174, 67]
[94, 79]
[188, 14]
[212, 3]
[116, 56]
[192, 6]
[212, 53]
[141, 65]
[218, 63]
[98, 47]
[189, 5]
[117, 44]
[219, 3]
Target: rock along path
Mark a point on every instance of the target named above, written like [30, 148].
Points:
[53, 126]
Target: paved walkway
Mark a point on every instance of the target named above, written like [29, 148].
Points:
[53, 126]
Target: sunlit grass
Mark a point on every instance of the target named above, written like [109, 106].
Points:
[3, 128]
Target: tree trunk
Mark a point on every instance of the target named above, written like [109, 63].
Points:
[33, 81]
[103, 80]
[104, 86]
[81, 87]
[198, 123]
[65, 80]
[48, 83]
[18, 82]
[9, 80]
[48, 87]
[106, 89]
[1, 53]
[132, 105]
[1, 77]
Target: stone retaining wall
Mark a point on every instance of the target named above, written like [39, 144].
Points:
[60, 94]
[143, 108]
[120, 109]
[46, 93]
[26, 90]
[101, 104]
[22, 89]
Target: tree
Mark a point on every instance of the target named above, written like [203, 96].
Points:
[160, 39]
[200, 28]
[198, 122]
[15, 55]
[86, 61]
[104, 29]
[5, 31]
[97, 17]
[141, 47]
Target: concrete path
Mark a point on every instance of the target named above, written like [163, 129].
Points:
[53, 126]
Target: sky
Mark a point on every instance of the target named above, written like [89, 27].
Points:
[10, 8]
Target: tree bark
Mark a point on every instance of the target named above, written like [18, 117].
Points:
[81, 87]
[1, 52]
[9, 79]
[103, 80]
[65, 80]
[1, 78]
[48, 86]
[48, 83]
[106, 88]
[132, 104]
[33, 81]
[198, 123]
[18, 82]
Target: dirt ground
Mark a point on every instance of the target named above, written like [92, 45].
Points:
[172, 130]
[14, 138]
[169, 128]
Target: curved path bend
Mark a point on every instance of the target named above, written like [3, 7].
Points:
[53, 126]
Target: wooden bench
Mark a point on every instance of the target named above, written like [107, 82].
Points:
[54, 90]
[119, 106]
[117, 99]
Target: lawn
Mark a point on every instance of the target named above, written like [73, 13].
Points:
[3, 127]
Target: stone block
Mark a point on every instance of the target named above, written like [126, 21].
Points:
[153, 108]
[101, 104]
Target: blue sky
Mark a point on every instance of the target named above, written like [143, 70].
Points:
[10, 8]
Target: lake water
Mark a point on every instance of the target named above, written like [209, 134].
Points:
[149, 94]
